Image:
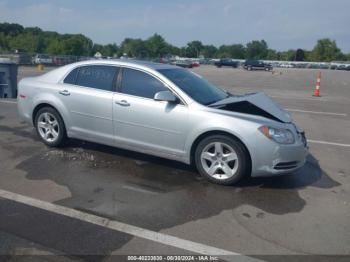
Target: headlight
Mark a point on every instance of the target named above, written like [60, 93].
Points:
[281, 136]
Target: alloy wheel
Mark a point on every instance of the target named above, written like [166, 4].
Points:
[48, 127]
[219, 160]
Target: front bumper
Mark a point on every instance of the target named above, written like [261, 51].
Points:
[280, 159]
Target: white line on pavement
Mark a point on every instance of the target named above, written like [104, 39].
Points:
[122, 227]
[8, 101]
[299, 98]
[137, 189]
[327, 143]
[316, 112]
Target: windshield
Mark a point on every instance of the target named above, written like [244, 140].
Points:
[194, 85]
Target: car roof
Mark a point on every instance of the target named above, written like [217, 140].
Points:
[128, 62]
[56, 75]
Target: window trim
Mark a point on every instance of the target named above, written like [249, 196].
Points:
[75, 78]
[115, 77]
[118, 90]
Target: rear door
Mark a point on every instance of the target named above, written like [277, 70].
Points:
[87, 92]
[260, 65]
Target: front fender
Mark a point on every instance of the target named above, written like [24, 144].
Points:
[232, 126]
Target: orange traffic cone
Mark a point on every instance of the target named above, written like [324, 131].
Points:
[318, 85]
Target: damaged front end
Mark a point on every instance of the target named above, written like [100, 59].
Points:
[254, 104]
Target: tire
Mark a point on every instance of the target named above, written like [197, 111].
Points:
[50, 127]
[249, 68]
[216, 165]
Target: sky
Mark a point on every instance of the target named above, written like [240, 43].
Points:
[284, 24]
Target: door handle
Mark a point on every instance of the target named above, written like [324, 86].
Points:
[122, 103]
[64, 92]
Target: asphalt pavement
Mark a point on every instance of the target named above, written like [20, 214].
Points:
[306, 213]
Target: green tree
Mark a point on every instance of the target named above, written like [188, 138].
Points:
[134, 48]
[97, 48]
[111, 49]
[33, 30]
[11, 29]
[257, 50]
[182, 51]
[78, 45]
[174, 50]
[55, 47]
[272, 55]
[156, 46]
[194, 48]
[223, 52]
[236, 51]
[35, 40]
[287, 55]
[326, 50]
[28, 42]
[106, 50]
[209, 51]
[3, 42]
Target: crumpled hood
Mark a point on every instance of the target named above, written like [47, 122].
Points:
[256, 104]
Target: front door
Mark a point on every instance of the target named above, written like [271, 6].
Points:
[144, 123]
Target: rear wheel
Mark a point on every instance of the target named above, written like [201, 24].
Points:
[221, 159]
[249, 68]
[50, 127]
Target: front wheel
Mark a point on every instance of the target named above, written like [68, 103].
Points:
[221, 159]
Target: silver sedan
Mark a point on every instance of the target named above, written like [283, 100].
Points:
[166, 111]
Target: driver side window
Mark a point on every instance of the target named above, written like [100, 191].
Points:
[138, 83]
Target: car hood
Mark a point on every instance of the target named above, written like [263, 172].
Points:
[254, 104]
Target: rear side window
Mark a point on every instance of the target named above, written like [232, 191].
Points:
[138, 83]
[71, 77]
[96, 76]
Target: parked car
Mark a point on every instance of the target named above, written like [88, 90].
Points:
[195, 64]
[182, 63]
[60, 60]
[343, 67]
[287, 65]
[162, 60]
[318, 66]
[166, 111]
[301, 65]
[256, 65]
[226, 62]
[22, 58]
[42, 59]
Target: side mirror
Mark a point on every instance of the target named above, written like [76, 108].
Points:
[165, 96]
